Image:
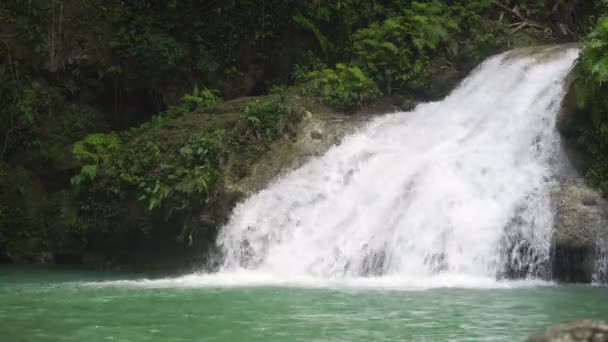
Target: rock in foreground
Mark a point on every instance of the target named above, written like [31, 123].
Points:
[582, 218]
[584, 330]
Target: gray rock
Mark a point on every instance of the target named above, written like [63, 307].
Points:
[316, 135]
[583, 330]
[408, 104]
[317, 132]
[582, 216]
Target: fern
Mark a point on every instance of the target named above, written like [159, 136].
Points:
[91, 151]
[197, 100]
[343, 88]
[394, 49]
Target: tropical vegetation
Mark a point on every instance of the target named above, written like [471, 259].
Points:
[122, 123]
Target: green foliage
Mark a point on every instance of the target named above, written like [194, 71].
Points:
[167, 181]
[182, 185]
[591, 90]
[267, 118]
[343, 88]
[592, 74]
[397, 50]
[165, 190]
[59, 58]
[312, 63]
[197, 100]
[157, 120]
[91, 151]
[595, 140]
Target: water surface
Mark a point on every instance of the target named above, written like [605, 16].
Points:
[69, 305]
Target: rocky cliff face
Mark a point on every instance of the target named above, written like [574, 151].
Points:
[579, 238]
[582, 219]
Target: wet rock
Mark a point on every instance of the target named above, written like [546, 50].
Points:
[316, 135]
[408, 104]
[319, 129]
[373, 263]
[436, 262]
[522, 260]
[583, 330]
[582, 216]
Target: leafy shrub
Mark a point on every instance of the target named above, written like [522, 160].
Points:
[343, 88]
[592, 74]
[591, 90]
[267, 118]
[398, 48]
[168, 186]
[595, 140]
[91, 151]
[311, 63]
[184, 183]
[197, 100]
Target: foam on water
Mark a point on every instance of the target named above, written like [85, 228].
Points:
[242, 279]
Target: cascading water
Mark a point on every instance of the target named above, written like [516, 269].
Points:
[600, 269]
[457, 188]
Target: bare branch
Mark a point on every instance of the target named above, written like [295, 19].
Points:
[519, 26]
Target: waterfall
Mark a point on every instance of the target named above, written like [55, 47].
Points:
[600, 267]
[459, 187]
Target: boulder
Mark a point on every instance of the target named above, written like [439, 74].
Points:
[319, 129]
[583, 330]
[582, 218]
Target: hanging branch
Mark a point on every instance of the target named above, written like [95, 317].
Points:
[524, 21]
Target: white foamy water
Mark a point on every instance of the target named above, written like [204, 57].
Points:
[600, 271]
[453, 194]
[457, 187]
[247, 278]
